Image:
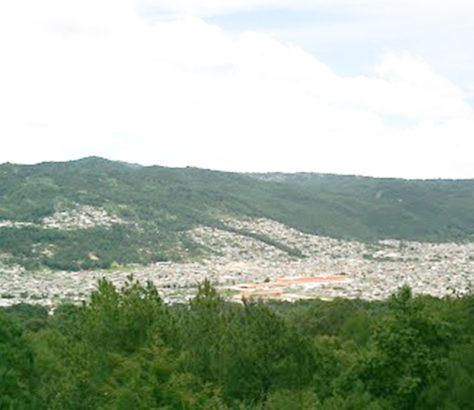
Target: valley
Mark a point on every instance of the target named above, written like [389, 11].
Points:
[284, 236]
[243, 266]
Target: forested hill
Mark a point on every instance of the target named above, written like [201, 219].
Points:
[157, 205]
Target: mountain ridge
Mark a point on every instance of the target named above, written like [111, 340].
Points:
[98, 159]
[159, 205]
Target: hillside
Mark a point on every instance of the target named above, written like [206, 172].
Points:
[94, 212]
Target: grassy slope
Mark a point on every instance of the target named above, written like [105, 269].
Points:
[166, 201]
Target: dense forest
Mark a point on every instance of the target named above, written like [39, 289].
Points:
[161, 204]
[126, 349]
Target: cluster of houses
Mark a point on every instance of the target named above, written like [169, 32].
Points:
[242, 266]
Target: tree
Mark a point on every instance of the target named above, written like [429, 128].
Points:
[408, 354]
[17, 367]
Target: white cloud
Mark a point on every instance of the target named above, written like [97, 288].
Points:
[399, 7]
[99, 80]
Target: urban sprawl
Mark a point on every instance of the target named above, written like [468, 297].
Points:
[242, 266]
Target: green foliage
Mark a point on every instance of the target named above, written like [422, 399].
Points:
[17, 374]
[410, 350]
[31, 317]
[249, 350]
[292, 400]
[126, 349]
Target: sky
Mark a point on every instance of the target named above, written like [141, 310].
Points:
[368, 87]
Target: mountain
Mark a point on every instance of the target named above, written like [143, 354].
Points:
[93, 212]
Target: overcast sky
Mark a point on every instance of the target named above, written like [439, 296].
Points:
[371, 87]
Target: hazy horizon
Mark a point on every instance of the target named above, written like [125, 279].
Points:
[136, 164]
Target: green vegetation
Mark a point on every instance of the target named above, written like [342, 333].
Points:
[265, 239]
[160, 204]
[126, 349]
